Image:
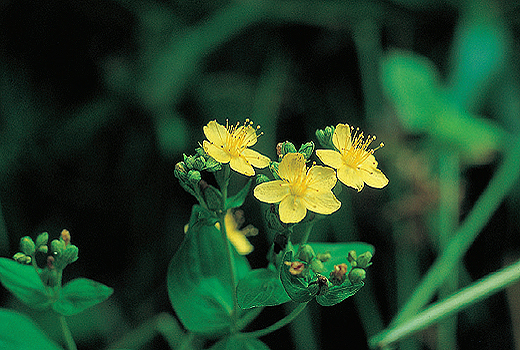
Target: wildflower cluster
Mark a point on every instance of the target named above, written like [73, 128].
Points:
[298, 191]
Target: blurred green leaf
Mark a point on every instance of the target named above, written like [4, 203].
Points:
[238, 199]
[80, 294]
[24, 282]
[261, 287]
[411, 82]
[239, 342]
[198, 278]
[19, 332]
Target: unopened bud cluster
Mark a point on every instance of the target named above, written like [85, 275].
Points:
[60, 253]
[359, 264]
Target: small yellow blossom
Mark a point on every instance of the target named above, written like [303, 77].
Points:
[237, 236]
[355, 163]
[229, 144]
[300, 189]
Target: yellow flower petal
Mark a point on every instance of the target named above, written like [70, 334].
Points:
[256, 159]
[374, 178]
[216, 152]
[272, 191]
[330, 157]
[240, 165]
[350, 177]
[216, 133]
[247, 133]
[291, 167]
[321, 202]
[292, 210]
[341, 137]
[321, 178]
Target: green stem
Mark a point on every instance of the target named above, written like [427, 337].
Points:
[464, 298]
[449, 180]
[499, 186]
[67, 335]
[275, 326]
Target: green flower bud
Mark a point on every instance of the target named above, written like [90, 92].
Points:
[189, 161]
[194, 177]
[306, 253]
[57, 247]
[285, 147]
[212, 165]
[307, 149]
[325, 137]
[199, 163]
[260, 178]
[42, 240]
[352, 257]
[181, 171]
[356, 275]
[317, 266]
[27, 245]
[43, 249]
[363, 260]
[212, 197]
[22, 258]
[324, 257]
[70, 254]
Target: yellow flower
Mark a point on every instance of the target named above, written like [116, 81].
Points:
[300, 189]
[229, 144]
[355, 163]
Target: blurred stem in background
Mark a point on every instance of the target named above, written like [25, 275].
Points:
[499, 186]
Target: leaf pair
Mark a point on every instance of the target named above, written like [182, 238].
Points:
[25, 283]
[199, 280]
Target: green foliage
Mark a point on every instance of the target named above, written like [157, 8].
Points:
[80, 294]
[24, 282]
[238, 199]
[413, 85]
[19, 332]
[199, 280]
[261, 287]
[239, 342]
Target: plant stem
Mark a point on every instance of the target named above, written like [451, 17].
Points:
[67, 335]
[498, 187]
[465, 297]
[275, 326]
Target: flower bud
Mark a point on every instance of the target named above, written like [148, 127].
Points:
[284, 148]
[306, 253]
[325, 137]
[57, 246]
[260, 178]
[212, 165]
[273, 167]
[363, 260]
[352, 257]
[65, 237]
[70, 254]
[42, 240]
[181, 171]
[356, 275]
[199, 163]
[324, 257]
[22, 258]
[317, 266]
[307, 149]
[27, 245]
[194, 177]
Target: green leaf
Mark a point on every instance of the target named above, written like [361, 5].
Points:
[411, 82]
[24, 282]
[337, 294]
[199, 279]
[295, 286]
[238, 199]
[261, 287]
[239, 342]
[80, 294]
[17, 331]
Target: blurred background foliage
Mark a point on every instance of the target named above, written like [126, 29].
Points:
[100, 99]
